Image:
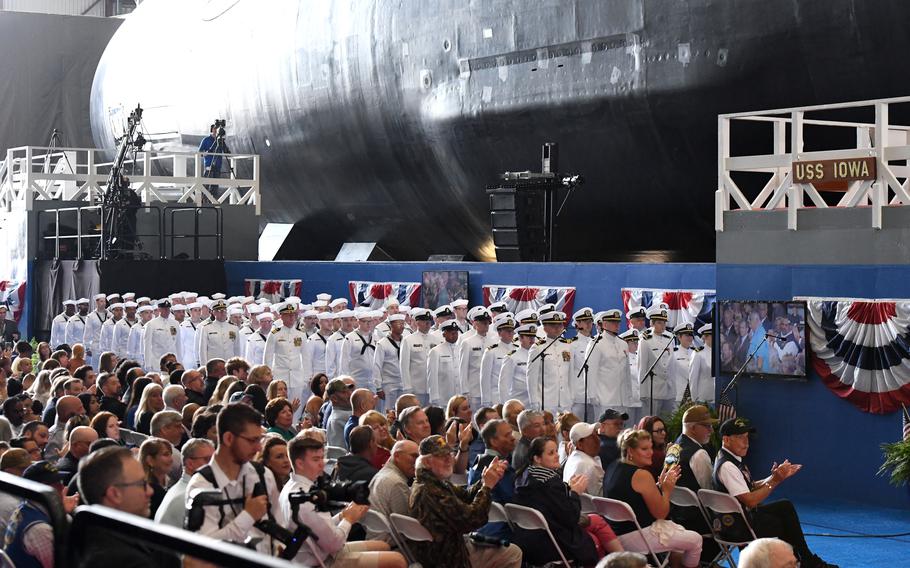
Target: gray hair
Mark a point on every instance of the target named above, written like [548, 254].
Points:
[163, 419]
[526, 417]
[171, 392]
[623, 560]
[193, 444]
[760, 553]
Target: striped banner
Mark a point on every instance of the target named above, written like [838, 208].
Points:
[376, 295]
[12, 295]
[519, 298]
[683, 306]
[272, 290]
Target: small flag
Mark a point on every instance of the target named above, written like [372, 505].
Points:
[725, 409]
[686, 397]
[906, 420]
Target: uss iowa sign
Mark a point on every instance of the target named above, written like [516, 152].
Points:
[826, 171]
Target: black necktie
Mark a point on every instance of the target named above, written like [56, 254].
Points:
[365, 345]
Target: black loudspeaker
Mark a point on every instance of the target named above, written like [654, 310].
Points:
[520, 216]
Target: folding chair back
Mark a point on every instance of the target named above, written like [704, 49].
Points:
[334, 452]
[685, 498]
[724, 504]
[409, 528]
[621, 512]
[532, 520]
[498, 514]
[378, 523]
[587, 505]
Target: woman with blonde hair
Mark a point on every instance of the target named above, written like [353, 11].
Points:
[224, 383]
[21, 367]
[41, 388]
[384, 441]
[564, 423]
[78, 358]
[156, 456]
[151, 402]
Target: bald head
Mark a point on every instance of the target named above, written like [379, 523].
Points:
[404, 456]
[511, 411]
[81, 438]
[406, 401]
[361, 401]
[67, 407]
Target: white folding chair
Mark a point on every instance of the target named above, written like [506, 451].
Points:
[532, 520]
[684, 497]
[334, 452]
[621, 512]
[409, 528]
[6, 561]
[720, 503]
[498, 514]
[378, 523]
[587, 505]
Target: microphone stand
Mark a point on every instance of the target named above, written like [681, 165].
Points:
[731, 384]
[650, 373]
[543, 353]
[584, 369]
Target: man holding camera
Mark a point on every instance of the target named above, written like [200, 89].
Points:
[214, 144]
[249, 494]
[330, 532]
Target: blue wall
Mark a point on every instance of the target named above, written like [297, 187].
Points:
[805, 422]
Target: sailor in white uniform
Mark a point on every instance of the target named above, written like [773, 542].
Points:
[387, 363]
[470, 353]
[513, 376]
[656, 344]
[92, 334]
[493, 358]
[314, 349]
[121, 335]
[161, 336]
[188, 329]
[460, 307]
[283, 352]
[551, 389]
[414, 351]
[58, 324]
[583, 320]
[134, 345]
[357, 351]
[442, 367]
[106, 341]
[255, 342]
[75, 326]
[333, 347]
[218, 339]
[632, 399]
[701, 379]
[681, 357]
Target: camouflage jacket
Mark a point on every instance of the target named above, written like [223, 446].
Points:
[448, 512]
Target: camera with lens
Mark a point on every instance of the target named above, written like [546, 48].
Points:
[220, 124]
[326, 494]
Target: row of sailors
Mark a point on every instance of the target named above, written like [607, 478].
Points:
[401, 350]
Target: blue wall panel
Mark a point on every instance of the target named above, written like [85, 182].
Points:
[804, 421]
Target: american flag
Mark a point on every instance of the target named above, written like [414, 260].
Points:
[272, 290]
[725, 408]
[687, 396]
[906, 420]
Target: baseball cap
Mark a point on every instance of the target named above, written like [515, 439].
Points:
[736, 426]
[698, 414]
[582, 430]
[610, 414]
[43, 472]
[435, 446]
[335, 385]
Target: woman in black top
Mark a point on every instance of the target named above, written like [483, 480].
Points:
[632, 483]
[582, 538]
[156, 456]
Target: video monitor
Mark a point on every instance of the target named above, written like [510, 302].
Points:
[441, 287]
[741, 326]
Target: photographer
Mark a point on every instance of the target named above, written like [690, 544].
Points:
[330, 532]
[214, 144]
[251, 490]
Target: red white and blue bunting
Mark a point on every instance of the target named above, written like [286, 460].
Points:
[12, 295]
[861, 350]
[272, 290]
[684, 306]
[519, 298]
[377, 295]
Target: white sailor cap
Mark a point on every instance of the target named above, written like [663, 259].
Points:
[293, 299]
[81, 301]
[110, 297]
[638, 312]
[320, 304]
[130, 305]
[365, 314]
[310, 313]
[116, 306]
[218, 296]
[345, 313]
[326, 316]
[504, 321]
[264, 316]
[141, 299]
[145, 308]
[479, 312]
[178, 307]
[203, 299]
[658, 313]
[451, 325]
[99, 297]
[323, 297]
[545, 308]
[459, 303]
[584, 314]
[176, 295]
[684, 328]
[527, 316]
[498, 307]
[404, 309]
[247, 299]
[338, 302]
[706, 329]
[528, 330]
[193, 306]
[262, 301]
[129, 296]
[553, 318]
[610, 315]
[443, 311]
[254, 309]
[396, 317]
[422, 314]
[69, 302]
[629, 335]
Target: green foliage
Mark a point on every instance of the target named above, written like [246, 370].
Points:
[897, 461]
[34, 343]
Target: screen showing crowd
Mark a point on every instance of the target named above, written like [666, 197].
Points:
[743, 324]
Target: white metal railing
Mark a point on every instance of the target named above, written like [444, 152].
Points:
[880, 139]
[32, 173]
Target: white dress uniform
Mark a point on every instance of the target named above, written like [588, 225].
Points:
[92, 335]
[649, 348]
[160, 337]
[470, 356]
[188, 352]
[58, 330]
[314, 354]
[356, 359]
[631, 397]
[490, 365]
[701, 381]
[121, 338]
[283, 353]
[381, 330]
[333, 353]
[557, 364]
[608, 374]
[414, 351]
[107, 336]
[217, 340]
[387, 369]
[134, 346]
[678, 370]
[75, 330]
[255, 348]
[442, 374]
[513, 376]
[579, 348]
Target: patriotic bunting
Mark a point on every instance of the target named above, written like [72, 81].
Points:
[376, 295]
[861, 350]
[684, 306]
[272, 290]
[12, 295]
[519, 298]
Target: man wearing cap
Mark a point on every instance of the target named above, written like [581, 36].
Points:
[470, 353]
[449, 512]
[701, 379]
[121, 334]
[283, 352]
[106, 340]
[188, 335]
[314, 349]
[611, 424]
[92, 333]
[778, 519]
[608, 367]
[134, 345]
[441, 315]
[357, 352]
[75, 326]
[460, 307]
[513, 375]
[583, 320]
[58, 324]
[585, 459]
[347, 320]
[309, 323]
[632, 397]
[656, 344]
[218, 339]
[442, 367]
[680, 359]
[387, 361]
[161, 335]
[414, 351]
[255, 342]
[551, 388]
[636, 318]
[493, 358]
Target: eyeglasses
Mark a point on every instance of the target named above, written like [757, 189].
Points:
[140, 483]
[255, 440]
[658, 431]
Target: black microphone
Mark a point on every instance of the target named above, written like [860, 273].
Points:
[768, 334]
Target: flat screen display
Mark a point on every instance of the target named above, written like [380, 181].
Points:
[441, 287]
[741, 327]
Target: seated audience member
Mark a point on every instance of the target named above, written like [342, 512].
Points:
[261, 375]
[362, 401]
[114, 478]
[204, 425]
[256, 396]
[510, 411]
[384, 441]
[318, 384]
[339, 399]
[90, 404]
[221, 389]
[276, 389]
[499, 443]
[624, 559]
[134, 397]
[449, 512]
[109, 387]
[390, 488]
[14, 412]
[152, 401]
[476, 447]
[307, 459]
[194, 387]
[357, 465]
[414, 424]
[37, 431]
[311, 412]
[279, 416]
[655, 426]
[564, 423]
[214, 372]
[157, 458]
[530, 426]
[107, 426]
[633, 484]
[768, 553]
[196, 453]
[174, 397]
[540, 487]
[67, 407]
[777, 519]
[80, 439]
[274, 456]
[13, 461]
[585, 459]
[436, 416]
[611, 424]
[78, 358]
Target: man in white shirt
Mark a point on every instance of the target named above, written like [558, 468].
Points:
[58, 324]
[336, 341]
[161, 335]
[513, 375]
[314, 348]
[357, 351]
[195, 453]
[584, 460]
[493, 358]
[121, 334]
[190, 357]
[608, 367]
[414, 351]
[550, 389]
[583, 320]
[75, 326]
[471, 348]
[387, 363]
[283, 352]
[442, 367]
[92, 334]
[218, 339]
[134, 345]
[255, 342]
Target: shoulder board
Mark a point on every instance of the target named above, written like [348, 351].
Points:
[491, 347]
[676, 349]
[646, 334]
[667, 334]
[513, 351]
[566, 340]
[541, 341]
[697, 349]
[275, 330]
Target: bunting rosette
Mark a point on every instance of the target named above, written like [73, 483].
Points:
[861, 350]
[377, 295]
